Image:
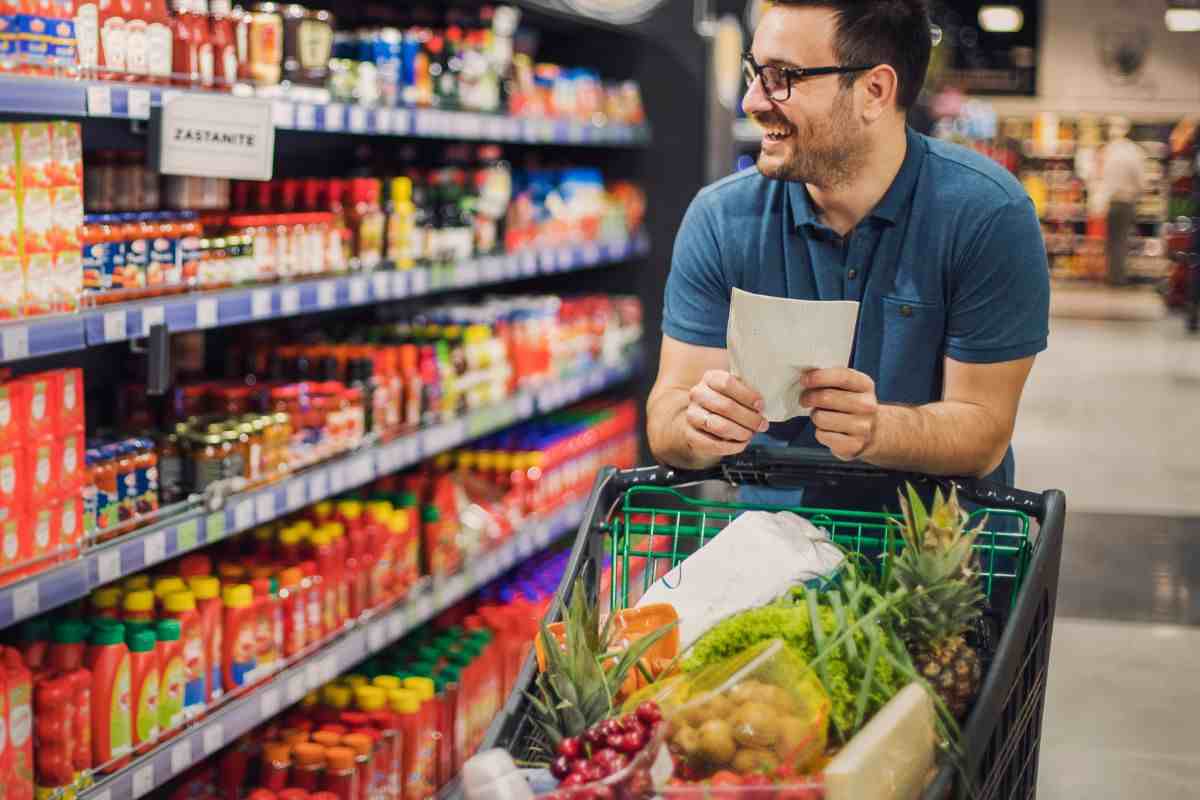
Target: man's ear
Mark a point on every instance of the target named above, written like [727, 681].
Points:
[879, 88]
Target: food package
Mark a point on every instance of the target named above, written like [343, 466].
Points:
[756, 559]
[761, 712]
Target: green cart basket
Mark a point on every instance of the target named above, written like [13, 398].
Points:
[641, 516]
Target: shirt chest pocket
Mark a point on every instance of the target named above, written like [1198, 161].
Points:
[911, 355]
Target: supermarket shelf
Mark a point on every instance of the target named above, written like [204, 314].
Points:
[203, 310]
[20, 95]
[359, 642]
[199, 526]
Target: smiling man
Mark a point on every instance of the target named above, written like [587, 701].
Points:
[941, 246]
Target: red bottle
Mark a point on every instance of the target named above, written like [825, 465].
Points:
[186, 61]
[113, 18]
[160, 51]
[204, 44]
[224, 48]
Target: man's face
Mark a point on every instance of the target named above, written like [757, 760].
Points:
[815, 136]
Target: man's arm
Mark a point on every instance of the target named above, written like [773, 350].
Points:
[966, 433]
[697, 412]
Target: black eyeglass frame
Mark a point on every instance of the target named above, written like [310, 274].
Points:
[750, 67]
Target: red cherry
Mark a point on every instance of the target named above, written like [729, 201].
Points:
[610, 727]
[633, 742]
[574, 779]
[595, 735]
[649, 712]
[602, 792]
[570, 747]
[578, 764]
[560, 767]
[594, 772]
[613, 761]
[629, 723]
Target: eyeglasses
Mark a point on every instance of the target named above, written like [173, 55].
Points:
[777, 81]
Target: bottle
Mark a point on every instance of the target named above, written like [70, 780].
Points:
[415, 743]
[109, 661]
[276, 765]
[239, 649]
[324, 555]
[172, 676]
[363, 743]
[139, 607]
[341, 774]
[224, 46]
[112, 18]
[205, 55]
[372, 701]
[308, 766]
[137, 62]
[265, 59]
[106, 602]
[181, 607]
[211, 609]
[291, 601]
[144, 682]
[159, 43]
[54, 734]
[312, 590]
[400, 220]
[267, 656]
[87, 37]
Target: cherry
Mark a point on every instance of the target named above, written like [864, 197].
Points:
[649, 712]
[574, 779]
[571, 747]
[560, 767]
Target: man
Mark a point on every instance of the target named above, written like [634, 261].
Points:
[941, 247]
[1122, 181]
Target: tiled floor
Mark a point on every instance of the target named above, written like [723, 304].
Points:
[1112, 416]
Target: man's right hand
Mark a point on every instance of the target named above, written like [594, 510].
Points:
[722, 415]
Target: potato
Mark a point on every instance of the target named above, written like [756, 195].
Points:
[687, 740]
[796, 739]
[715, 707]
[750, 759]
[778, 698]
[716, 742]
[746, 692]
[756, 725]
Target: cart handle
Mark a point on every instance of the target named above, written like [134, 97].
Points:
[795, 467]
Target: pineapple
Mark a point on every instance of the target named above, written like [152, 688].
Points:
[583, 676]
[935, 569]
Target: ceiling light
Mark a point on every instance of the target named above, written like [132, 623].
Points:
[1001, 19]
[1183, 20]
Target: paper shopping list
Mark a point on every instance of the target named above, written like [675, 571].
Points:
[774, 341]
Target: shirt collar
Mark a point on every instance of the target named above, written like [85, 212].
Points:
[888, 208]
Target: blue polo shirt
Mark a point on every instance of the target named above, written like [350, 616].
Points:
[951, 262]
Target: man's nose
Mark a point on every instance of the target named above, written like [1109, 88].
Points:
[756, 100]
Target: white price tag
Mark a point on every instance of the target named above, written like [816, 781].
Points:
[381, 286]
[400, 284]
[268, 704]
[264, 507]
[108, 566]
[329, 667]
[529, 263]
[358, 291]
[181, 756]
[114, 326]
[335, 117]
[525, 546]
[312, 675]
[420, 281]
[151, 316]
[283, 114]
[306, 117]
[139, 104]
[206, 313]
[525, 406]
[143, 780]
[14, 342]
[326, 294]
[26, 601]
[243, 515]
[376, 636]
[358, 119]
[401, 121]
[383, 122]
[318, 486]
[566, 258]
[214, 738]
[260, 303]
[295, 495]
[591, 253]
[99, 101]
[154, 548]
[289, 300]
[104, 795]
[395, 625]
[295, 688]
[337, 478]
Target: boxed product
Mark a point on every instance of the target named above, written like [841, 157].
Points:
[12, 278]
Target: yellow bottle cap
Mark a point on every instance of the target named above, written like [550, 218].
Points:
[387, 682]
[135, 583]
[170, 585]
[323, 510]
[398, 522]
[205, 587]
[310, 700]
[355, 681]
[443, 461]
[107, 597]
[350, 509]
[370, 698]
[141, 600]
[304, 527]
[424, 687]
[180, 602]
[380, 508]
[290, 537]
[335, 530]
[404, 701]
[336, 696]
[264, 533]
[320, 539]
[240, 595]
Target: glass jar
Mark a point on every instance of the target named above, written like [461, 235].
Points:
[207, 459]
[253, 437]
[283, 442]
[233, 450]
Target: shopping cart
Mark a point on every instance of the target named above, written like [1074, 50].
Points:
[643, 522]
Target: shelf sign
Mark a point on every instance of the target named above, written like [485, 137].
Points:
[214, 136]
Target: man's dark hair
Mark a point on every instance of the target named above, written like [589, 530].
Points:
[893, 32]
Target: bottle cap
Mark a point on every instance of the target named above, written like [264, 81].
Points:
[108, 634]
[107, 597]
[140, 639]
[308, 754]
[238, 596]
[360, 743]
[387, 682]
[71, 631]
[180, 602]
[205, 587]
[290, 577]
[354, 681]
[141, 600]
[195, 565]
[294, 736]
[261, 587]
[339, 759]
[422, 686]
[404, 701]
[371, 698]
[327, 738]
[277, 753]
[336, 696]
[168, 630]
[168, 585]
[136, 583]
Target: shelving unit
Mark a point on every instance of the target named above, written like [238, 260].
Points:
[42, 336]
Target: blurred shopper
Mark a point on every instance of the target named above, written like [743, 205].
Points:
[1122, 181]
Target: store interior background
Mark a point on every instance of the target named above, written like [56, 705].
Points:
[1112, 410]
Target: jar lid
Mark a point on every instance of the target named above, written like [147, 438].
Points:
[339, 758]
[277, 752]
[308, 754]
[360, 743]
[327, 738]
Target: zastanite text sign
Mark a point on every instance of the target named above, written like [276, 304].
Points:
[214, 136]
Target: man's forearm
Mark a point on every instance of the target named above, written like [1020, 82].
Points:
[667, 430]
[946, 438]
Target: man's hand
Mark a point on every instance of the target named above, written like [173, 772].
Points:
[722, 415]
[845, 410]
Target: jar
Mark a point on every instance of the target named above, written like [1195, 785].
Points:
[307, 45]
[252, 431]
[170, 465]
[207, 459]
[302, 260]
[236, 447]
[283, 442]
[265, 44]
[285, 256]
[315, 239]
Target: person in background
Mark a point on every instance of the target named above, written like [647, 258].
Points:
[1122, 181]
[941, 246]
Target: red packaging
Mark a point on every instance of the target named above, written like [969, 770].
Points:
[70, 522]
[70, 447]
[81, 692]
[14, 400]
[5, 765]
[43, 393]
[40, 469]
[55, 733]
[44, 523]
[19, 688]
[71, 417]
[12, 476]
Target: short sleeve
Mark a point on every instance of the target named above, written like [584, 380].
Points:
[696, 305]
[1000, 295]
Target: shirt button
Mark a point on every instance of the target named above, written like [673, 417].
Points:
[906, 311]
[852, 274]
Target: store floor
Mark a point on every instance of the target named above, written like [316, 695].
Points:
[1112, 416]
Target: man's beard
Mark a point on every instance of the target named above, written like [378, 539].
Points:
[830, 153]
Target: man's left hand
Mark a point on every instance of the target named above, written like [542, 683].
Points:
[845, 410]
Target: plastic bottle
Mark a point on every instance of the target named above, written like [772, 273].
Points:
[159, 42]
[181, 606]
[367, 222]
[139, 607]
[144, 682]
[55, 731]
[363, 745]
[401, 214]
[312, 593]
[415, 743]
[372, 701]
[266, 657]
[211, 610]
[172, 676]
[276, 765]
[341, 774]
[204, 46]
[111, 19]
[329, 571]
[224, 47]
[291, 602]
[112, 721]
[308, 766]
[239, 648]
